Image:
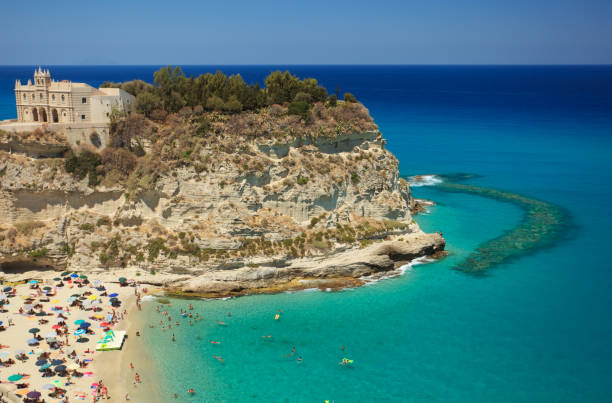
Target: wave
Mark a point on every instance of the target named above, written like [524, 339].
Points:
[424, 180]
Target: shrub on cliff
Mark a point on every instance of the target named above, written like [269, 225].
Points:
[83, 165]
[118, 159]
[350, 98]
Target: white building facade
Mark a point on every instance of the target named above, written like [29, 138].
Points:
[49, 101]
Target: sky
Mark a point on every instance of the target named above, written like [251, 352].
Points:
[162, 32]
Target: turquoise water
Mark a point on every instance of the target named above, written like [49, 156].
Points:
[537, 328]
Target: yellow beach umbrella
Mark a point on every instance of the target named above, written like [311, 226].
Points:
[55, 301]
[92, 297]
[22, 391]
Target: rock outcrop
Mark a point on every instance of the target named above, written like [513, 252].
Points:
[260, 215]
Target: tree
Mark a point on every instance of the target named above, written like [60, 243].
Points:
[146, 102]
[332, 100]
[348, 97]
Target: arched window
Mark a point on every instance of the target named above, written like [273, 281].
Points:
[33, 97]
[63, 98]
[40, 96]
[24, 97]
[53, 97]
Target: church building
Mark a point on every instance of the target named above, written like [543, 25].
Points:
[49, 101]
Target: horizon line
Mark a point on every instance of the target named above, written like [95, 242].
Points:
[331, 64]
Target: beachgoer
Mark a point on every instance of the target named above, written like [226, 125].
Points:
[173, 337]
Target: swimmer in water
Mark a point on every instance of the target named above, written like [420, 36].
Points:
[198, 336]
[299, 360]
[191, 391]
[221, 323]
[215, 342]
[266, 336]
[172, 337]
[220, 359]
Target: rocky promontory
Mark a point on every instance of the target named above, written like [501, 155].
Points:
[214, 203]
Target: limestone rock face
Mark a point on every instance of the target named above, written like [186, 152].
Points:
[273, 213]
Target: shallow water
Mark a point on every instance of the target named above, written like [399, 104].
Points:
[535, 328]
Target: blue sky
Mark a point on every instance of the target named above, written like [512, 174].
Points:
[306, 32]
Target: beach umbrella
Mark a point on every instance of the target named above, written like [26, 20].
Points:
[40, 314]
[1, 322]
[57, 279]
[85, 325]
[113, 295]
[78, 322]
[22, 392]
[14, 378]
[83, 277]
[34, 330]
[74, 275]
[33, 394]
[32, 341]
[45, 366]
[57, 362]
[122, 279]
[48, 386]
[47, 288]
[7, 289]
[33, 282]
[55, 327]
[60, 368]
[92, 297]
[82, 340]
[79, 332]
[4, 354]
[41, 362]
[65, 273]
[104, 324]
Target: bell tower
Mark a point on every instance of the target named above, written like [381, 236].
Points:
[42, 78]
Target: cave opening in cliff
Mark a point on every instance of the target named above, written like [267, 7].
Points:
[24, 265]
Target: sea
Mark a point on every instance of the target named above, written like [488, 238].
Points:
[530, 322]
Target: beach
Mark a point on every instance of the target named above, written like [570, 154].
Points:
[79, 304]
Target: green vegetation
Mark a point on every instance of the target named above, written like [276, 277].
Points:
[172, 90]
[348, 97]
[38, 253]
[87, 227]
[27, 227]
[83, 165]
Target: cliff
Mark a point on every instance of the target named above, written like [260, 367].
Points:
[217, 204]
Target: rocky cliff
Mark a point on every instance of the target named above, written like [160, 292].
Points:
[254, 202]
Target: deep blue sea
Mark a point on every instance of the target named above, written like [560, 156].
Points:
[537, 328]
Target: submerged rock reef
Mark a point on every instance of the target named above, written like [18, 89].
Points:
[215, 204]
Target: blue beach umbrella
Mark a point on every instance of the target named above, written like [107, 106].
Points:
[79, 332]
[74, 275]
[56, 362]
[114, 295]
[85, 325]
[40, 362]
[33, 282]
[60, 368]
[7, 289]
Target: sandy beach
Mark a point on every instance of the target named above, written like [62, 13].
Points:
[72, 366]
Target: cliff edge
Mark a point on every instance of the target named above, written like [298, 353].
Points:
[214, 203]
